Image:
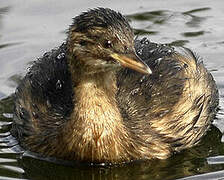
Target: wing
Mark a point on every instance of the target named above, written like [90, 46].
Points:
[176, 102]
[44, 95]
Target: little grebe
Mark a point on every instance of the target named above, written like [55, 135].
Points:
[93, 100]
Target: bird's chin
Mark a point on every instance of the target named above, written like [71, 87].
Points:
[112, 67]
[104, 69]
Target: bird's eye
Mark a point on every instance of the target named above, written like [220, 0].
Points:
[125, 48]
[107, 44]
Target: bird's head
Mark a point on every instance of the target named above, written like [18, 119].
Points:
[102, 40]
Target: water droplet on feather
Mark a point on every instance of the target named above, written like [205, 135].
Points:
[61, 55]
[134, 91]
[58, 85]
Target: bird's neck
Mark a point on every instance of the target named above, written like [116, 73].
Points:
[95, 98]
[98, 131]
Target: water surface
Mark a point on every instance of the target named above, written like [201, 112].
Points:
[30, 28]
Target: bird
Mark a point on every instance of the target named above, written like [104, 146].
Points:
[105, 96]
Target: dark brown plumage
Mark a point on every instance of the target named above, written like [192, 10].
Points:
[79, 102]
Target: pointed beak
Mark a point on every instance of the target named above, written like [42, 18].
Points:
[132, 61]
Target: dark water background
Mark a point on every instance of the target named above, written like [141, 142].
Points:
[28, 28]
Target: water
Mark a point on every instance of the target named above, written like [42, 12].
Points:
[30, 28]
